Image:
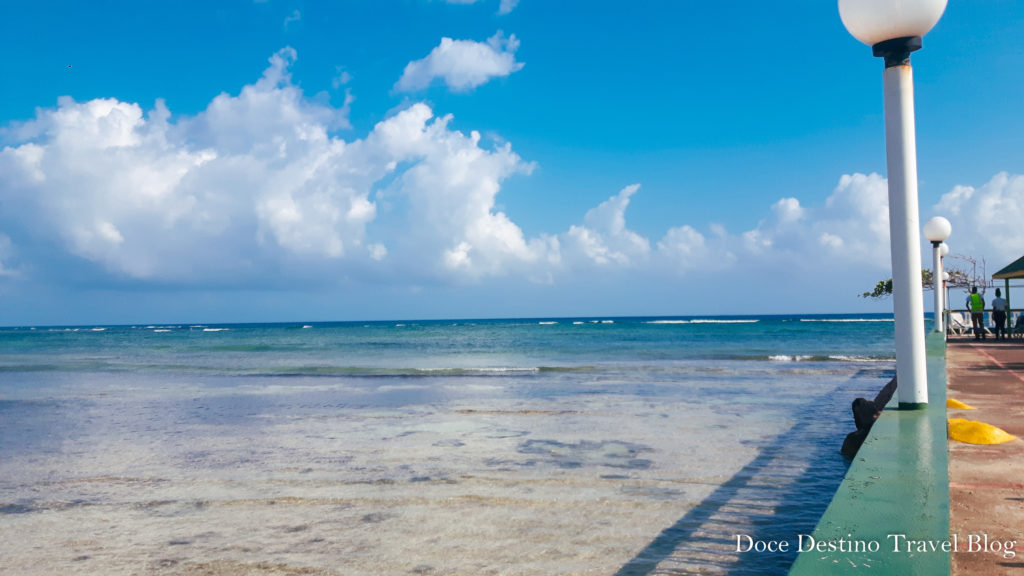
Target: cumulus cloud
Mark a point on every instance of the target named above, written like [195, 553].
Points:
[259, 190]
[987, 221]
[856, 218]
[604, 239]
[852, 224]
[850, 227]
[148, 199]
[792, 239]
[451, 190]
[684, 250]
[462, 64]
[788, 210]
[256, 183]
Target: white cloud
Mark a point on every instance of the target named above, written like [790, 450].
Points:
[100, 175]
[788, 210]
[850, 230]
[988, 222]
[604, 239]
[266, 116]
[504, 7]
[853, 224]
[255, 184]
[856, 218]
[462, 64]
[831, 241]
[6, 255]
[793, 239]
[757, 241]
[257, 191]
[343, 78]
[451, 190]
[507, 6]
[684, 250]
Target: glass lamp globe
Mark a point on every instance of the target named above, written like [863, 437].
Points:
[943, 249]
[937, 229]
[874, 21]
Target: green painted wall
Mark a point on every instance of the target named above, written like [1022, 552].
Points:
[891, 512]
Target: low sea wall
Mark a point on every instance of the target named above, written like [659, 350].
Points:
[890, 515]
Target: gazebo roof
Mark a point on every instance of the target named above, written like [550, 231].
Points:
[1014, 270]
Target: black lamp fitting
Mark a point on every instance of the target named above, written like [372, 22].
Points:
[897, 50]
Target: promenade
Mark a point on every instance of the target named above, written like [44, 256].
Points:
[986, 482]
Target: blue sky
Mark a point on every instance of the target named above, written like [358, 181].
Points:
[284, 160]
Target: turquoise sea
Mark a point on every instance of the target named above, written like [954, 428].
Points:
[605, 446]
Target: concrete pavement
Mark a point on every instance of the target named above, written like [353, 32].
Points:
[986, 482]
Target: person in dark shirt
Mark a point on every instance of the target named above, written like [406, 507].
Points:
[999, 315]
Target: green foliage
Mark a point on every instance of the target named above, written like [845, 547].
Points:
[882, 289]
[957, 279]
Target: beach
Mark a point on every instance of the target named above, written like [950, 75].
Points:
[545, 446]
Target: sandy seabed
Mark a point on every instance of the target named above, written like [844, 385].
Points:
[596, 484]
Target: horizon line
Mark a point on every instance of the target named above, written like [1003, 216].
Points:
[597, 317]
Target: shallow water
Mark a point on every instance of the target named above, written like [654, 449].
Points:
[488, 448]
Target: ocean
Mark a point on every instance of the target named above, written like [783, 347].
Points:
[548, 446]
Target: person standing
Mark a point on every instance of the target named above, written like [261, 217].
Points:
[976, 306]
[999, 315]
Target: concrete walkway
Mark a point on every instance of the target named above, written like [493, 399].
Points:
[986, 483]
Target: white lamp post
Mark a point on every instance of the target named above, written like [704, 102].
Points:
[936, 231]
[943, 252]
[944, 249]
[894, 30]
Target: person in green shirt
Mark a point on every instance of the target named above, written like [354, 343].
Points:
[976, 306]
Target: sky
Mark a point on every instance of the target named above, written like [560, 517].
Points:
[290, 160]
